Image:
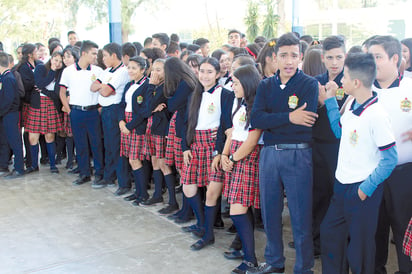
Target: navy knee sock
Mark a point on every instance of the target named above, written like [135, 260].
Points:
[34, 152]
[196, 204]
[70, 149]
[158, 182]
[170, 180]
[245, 231]
[140, 182]
[210, 215]
[51, 152]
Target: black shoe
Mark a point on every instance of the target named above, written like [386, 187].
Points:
[152, 201]
[175, 215]
[81, 180]
[243, 267]
[190, 228]
[231, 230]
[14, 174]
[54, 170]
[233, 254]
[199, 233]
[180, 220]
[265, 269]
[219, 224]
[201, 244]
[168, 209]
[130, 198]
[139, 200]
[121, 191]
[291, 245]
[31, 170]
[75, 170]
[99, 183]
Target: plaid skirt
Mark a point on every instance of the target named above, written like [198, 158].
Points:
[199, 170]
[146, 144]
[24, 114]
[44, 120]
[173, 152]
[407, 241]
[242, 183]
[67, 126]
[131, 145]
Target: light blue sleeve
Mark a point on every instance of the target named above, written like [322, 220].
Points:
[334, 116]
[388, 161]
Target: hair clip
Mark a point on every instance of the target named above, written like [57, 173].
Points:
[272, 43]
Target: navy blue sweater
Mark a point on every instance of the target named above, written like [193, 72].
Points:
[27, 76]
[178, 102]
[161, 119]
[9, 97]
[271, 109]
[42, 78]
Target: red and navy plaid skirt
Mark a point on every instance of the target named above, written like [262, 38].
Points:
[199, 170]
[242, 183]
[173, 152]
[131, 145]
[67, 126]
[24, 114]
[44, 120]
[407, 241]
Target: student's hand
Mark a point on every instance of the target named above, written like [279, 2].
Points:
[216, 163]
[227, 165]
[331, 88]
[125, 130]
[228, 132]
[187, 156]
[160, 107]
[407, 136]
[154, 78]
[322, 95]
[302, 117]
[362, 195]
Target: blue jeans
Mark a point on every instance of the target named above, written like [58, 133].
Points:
[86, 128]
[289, 171]
[12, 133]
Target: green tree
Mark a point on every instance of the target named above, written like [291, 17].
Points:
[251, 20]
[271, 20]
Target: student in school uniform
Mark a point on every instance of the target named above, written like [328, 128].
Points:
[83, 111]
[132, 119]
[394, 93]
[9, 116]
[110, 86]
[128, 51]
[203, 43]
[208, 116]
[325, 144]
[72, 38]
[43, 117]
[161, 41]
[234, 38]
[267, 60]
[224, 63]
[284, 108]
[26, 69]
[240, 160]
[180, 81]
[406, 54]
[367, 156]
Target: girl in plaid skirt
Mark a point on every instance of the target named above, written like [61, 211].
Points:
[180, 81]
[43, 117]
[240, 160]
[133, 114]
[202, 146]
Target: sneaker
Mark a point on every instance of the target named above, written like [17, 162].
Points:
[168, 209]
[99, 184]
[243, 267]
[265, 269]
[14, 174]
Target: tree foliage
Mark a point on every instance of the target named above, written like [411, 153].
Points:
[269, 21]
[251, 20]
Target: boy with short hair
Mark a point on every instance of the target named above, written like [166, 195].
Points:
[367, 156]
[234, 38]
[284, 108]
[395, 95]
[161, 41]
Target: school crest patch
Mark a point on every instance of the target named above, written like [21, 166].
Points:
[211, 108]
[353, 138]
[406, 105]
[340, 93]
[293, 101]
[242, 118]
[93, 78]
[139, 99]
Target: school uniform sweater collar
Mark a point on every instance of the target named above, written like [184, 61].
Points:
[337, 79]
[89, 67]
[4, 73]
[116, 68]
[365, 105]
[395, 83]
[215, 87]
[291, 80]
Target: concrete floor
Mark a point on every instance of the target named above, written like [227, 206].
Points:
[47, 225]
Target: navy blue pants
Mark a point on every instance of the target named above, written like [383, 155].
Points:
[10, 129]
[113, 167]
[86, 126]
[349, 228]
[395, 212]
[4, 147]
[289, 171]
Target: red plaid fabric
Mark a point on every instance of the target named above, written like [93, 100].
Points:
[45, 119]
[24, 114]
[242, 183]
[146, 150]
[199, 168]
[170, 143]
[67, 126]
[131, 145]
[407, 240]
[157, 146]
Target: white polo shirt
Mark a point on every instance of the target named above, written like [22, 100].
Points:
[397, 101]
[129, 93]
[365, 132]
[239, 132]
[78, 81]
[210, 109]
[116, 78]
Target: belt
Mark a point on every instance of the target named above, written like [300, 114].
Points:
[84, 108]
[291, 146]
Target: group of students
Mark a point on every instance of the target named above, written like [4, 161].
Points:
[255, 122]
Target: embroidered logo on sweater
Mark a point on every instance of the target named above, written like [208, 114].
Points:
[406, 105]
[293, 101]
[353, 138]
[211, 108]
[139, 99]
[93, 78]
[340, 93]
